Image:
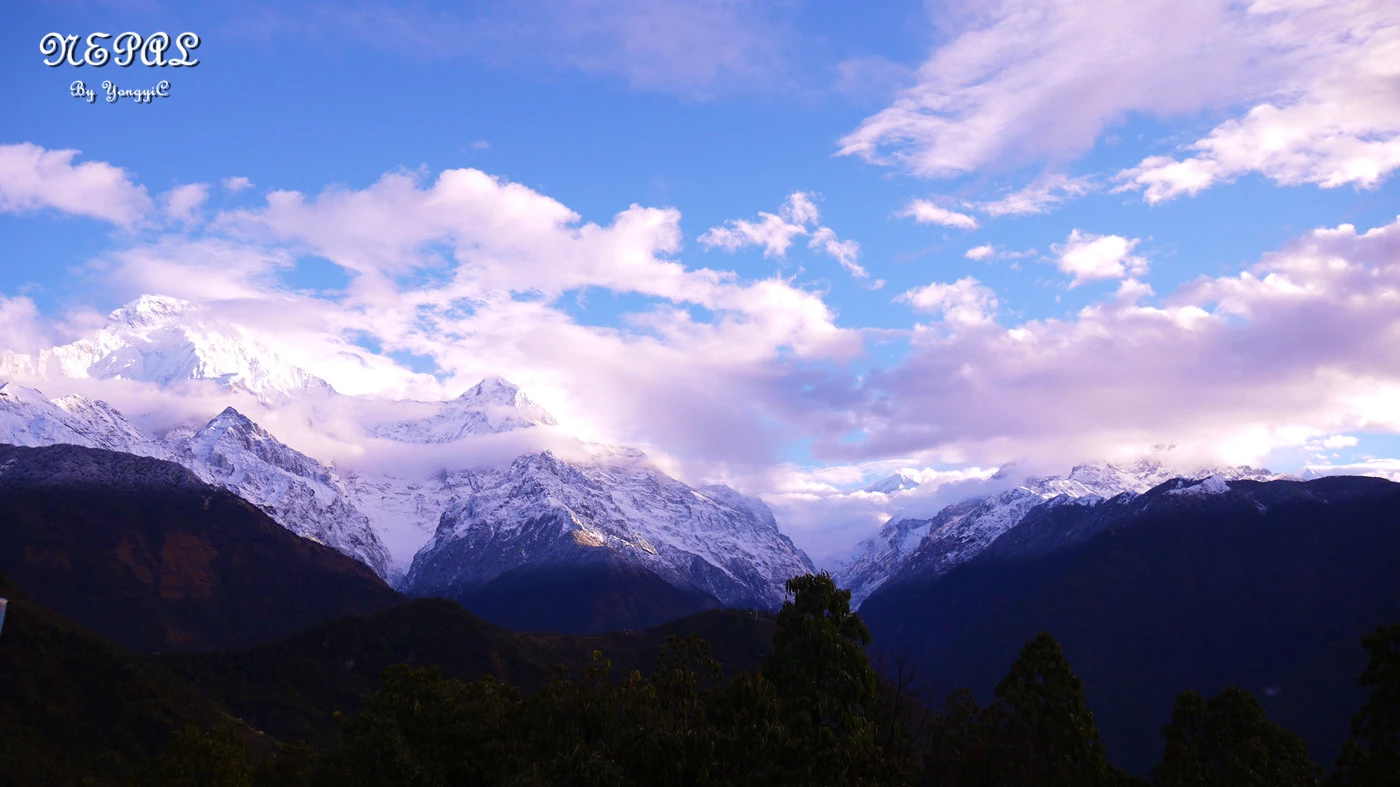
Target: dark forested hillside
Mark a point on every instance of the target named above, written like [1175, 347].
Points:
[293, 688]
[586, 598]
[1268, 586]
[73, 706]
[144, 554]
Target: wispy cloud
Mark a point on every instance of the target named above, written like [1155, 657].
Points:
[1030, 81]
[926, 212]
[799, 215]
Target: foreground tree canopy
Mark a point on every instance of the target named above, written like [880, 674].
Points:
[816, 713]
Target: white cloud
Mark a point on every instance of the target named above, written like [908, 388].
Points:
[21, 328]
[33, 178]
[798, 215]
[984, 252]
[1039, 197]
[1089, 257]
[800, 209]
[1025, 80]
[1331, 119]
[464, 271]
[965, 302]
[773, 233]
[845, 252]
[820, 510]
[182, 203]
[237, 184]
[1308, 88]
[1229, 369]
[925, 212]
[1339, 441]
[1381, 468]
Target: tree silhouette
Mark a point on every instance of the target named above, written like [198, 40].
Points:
[1050, 737]
[1372, 757]
[1227, 741]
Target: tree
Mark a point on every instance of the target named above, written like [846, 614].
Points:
[818, 662]
[1372, 757]
[966, 747]
[1049, 736]
[824, 682]
[1227, 741]
[422, 729]
[199, 758]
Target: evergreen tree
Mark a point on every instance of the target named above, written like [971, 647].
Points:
[1227, 741]
[1049, 737]
[1372, 757]
[825, 684]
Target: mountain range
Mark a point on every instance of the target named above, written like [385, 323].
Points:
[915, 548]
[215, 534]
[606, 516]
[1192, 584]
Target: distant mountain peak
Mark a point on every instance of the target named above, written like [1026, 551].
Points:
[493, 388]
[901, 480]
[959, 532]
[149, 310]
[168, 341]
[492, 406]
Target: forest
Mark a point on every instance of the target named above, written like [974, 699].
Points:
[817, 711]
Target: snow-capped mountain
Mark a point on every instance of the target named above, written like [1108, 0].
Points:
[542, 511]
[298, 492]
[491, 406]
[166, 341]
[405, 512]
[27, 417]
[959, 532]
[538, 510]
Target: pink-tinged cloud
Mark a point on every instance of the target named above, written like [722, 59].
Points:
[33, 178]
[1300, 346]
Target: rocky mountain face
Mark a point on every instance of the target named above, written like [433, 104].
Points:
[909, 548]
[303, 495]
[1193, 584]
[545, 514]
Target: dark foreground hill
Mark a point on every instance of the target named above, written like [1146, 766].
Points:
[603, 594]
[293, 688]
[1268, 586]
[143, 553]
[75, 707]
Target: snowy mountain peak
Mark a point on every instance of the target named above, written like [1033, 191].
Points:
[493, 389]
[303, 495]
[900, 481]
[542, 510]
[149, 310]
[21, 394]
[168, 342]
[492, 406]
[959, 532]
[28, 417]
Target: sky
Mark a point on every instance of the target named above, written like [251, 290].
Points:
[791, 246]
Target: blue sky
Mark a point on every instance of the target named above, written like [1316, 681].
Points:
[1183, 153]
